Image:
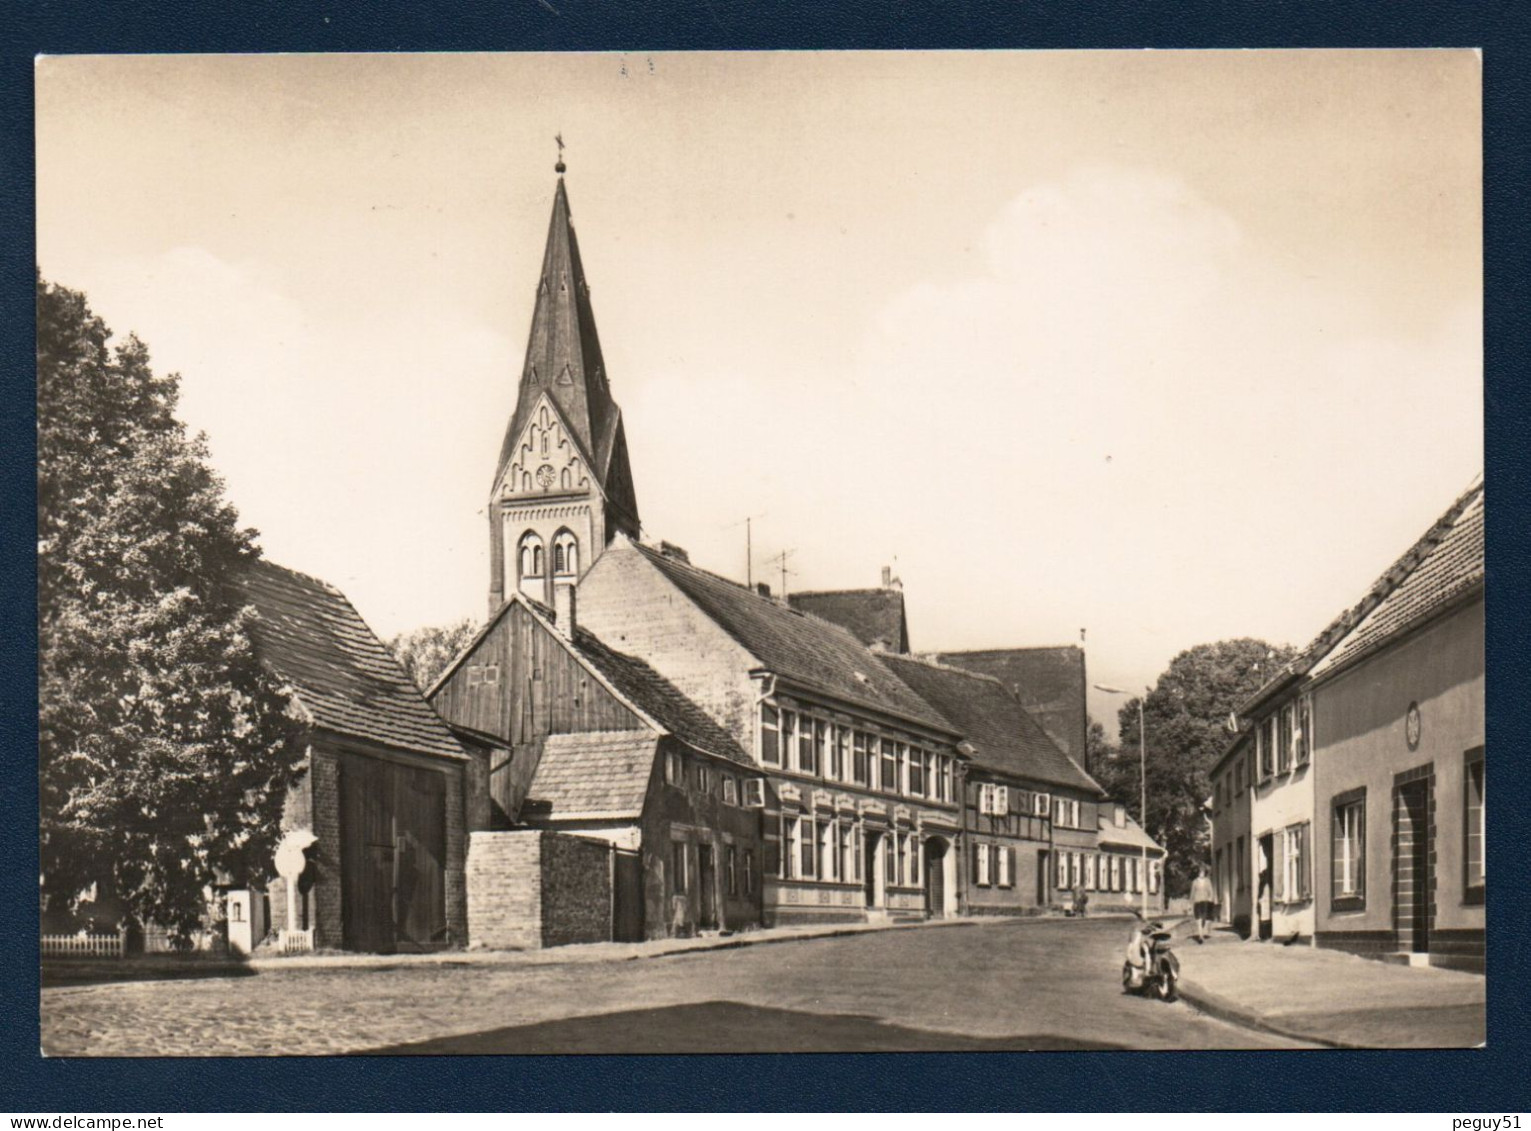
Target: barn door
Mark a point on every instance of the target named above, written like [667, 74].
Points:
[420, 858]
[392, 856]
[366, 856]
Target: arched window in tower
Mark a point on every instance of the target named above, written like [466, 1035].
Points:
[565, 554]
[566, 480]
[544, 443]
[530, 555]
[526, 481]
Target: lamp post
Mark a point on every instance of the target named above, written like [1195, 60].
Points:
[1143, 784]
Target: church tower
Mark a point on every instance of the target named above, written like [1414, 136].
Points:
[562, 486]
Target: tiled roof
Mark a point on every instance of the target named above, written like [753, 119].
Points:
[658, 698]
[797, 646]
[1424, 593]
[592, 774]
[1445, 566]
[1130, 836]
[1049, 682]
[1005, 738]
[873, 616]
[310, 635]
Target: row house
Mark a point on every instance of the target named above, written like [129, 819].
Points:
[572, 737]
[1233, 778]
[1029, 812]
[1399, 760]
[1340, 818]
[863, 777]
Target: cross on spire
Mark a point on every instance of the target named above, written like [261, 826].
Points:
[560, 167]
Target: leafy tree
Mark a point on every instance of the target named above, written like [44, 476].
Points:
[426, 652]
[165, 748]
[1184, 717]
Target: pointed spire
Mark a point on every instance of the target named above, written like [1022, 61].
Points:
[563, 351]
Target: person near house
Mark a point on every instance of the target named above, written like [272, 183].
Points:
[1201, 901]
[1264, 906]
[1137, 954]
[1081, 900]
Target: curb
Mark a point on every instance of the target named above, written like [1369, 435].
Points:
[1209, 1003]
[739, 942]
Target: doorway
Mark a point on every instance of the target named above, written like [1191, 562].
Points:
[1265, 891]
[627, 897]
[707, 914]
[873, 870]
[935, 878]
[1412, 880]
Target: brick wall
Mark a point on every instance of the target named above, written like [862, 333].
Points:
[504, 890]
[576, 890]
[457, 851]
[324, 898]
[533, 888]
[314, 803]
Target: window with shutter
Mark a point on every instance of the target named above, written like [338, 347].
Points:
[1063, 869]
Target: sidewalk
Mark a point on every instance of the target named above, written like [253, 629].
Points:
[1329, 996]
[157, 967]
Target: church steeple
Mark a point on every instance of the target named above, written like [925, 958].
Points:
[562, 484]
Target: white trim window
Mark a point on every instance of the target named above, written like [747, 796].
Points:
[981, 862]
[1004, 867]
[1001, 801]
[1090, 872]
[1063, 869]
[730, 791]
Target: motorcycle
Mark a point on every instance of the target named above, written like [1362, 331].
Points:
[1160, 972]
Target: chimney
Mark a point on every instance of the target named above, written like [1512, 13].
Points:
[563, 610]
[1120, 817]
[887, 577]
[671, 550]
[762, 589]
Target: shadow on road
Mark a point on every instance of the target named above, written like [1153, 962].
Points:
[722, 1027]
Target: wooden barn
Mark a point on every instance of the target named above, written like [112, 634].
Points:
[572, 737]
[380, 805]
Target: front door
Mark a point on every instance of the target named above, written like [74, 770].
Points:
[1265, 888]
[1411, 865]
[707, 915]
[935, 879]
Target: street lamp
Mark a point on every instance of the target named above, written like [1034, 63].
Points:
[1143, 780]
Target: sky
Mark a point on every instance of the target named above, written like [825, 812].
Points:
[1168, 347]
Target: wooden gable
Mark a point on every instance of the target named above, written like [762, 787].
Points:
[520, 683]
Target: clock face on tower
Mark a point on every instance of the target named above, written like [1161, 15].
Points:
[545, 476]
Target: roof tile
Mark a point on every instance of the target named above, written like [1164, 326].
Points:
[311, 635]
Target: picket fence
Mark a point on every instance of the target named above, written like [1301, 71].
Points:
[83, 946]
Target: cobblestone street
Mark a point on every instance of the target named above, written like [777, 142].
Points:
[1004, 985]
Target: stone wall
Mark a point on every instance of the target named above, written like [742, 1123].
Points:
[576, 890]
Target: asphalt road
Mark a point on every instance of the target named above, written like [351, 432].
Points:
[1027, 984]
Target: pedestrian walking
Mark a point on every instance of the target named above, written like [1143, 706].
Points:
[1201, 901]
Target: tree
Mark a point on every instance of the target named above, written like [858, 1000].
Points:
[1185, 716]
[165, 748]
[426, 652]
